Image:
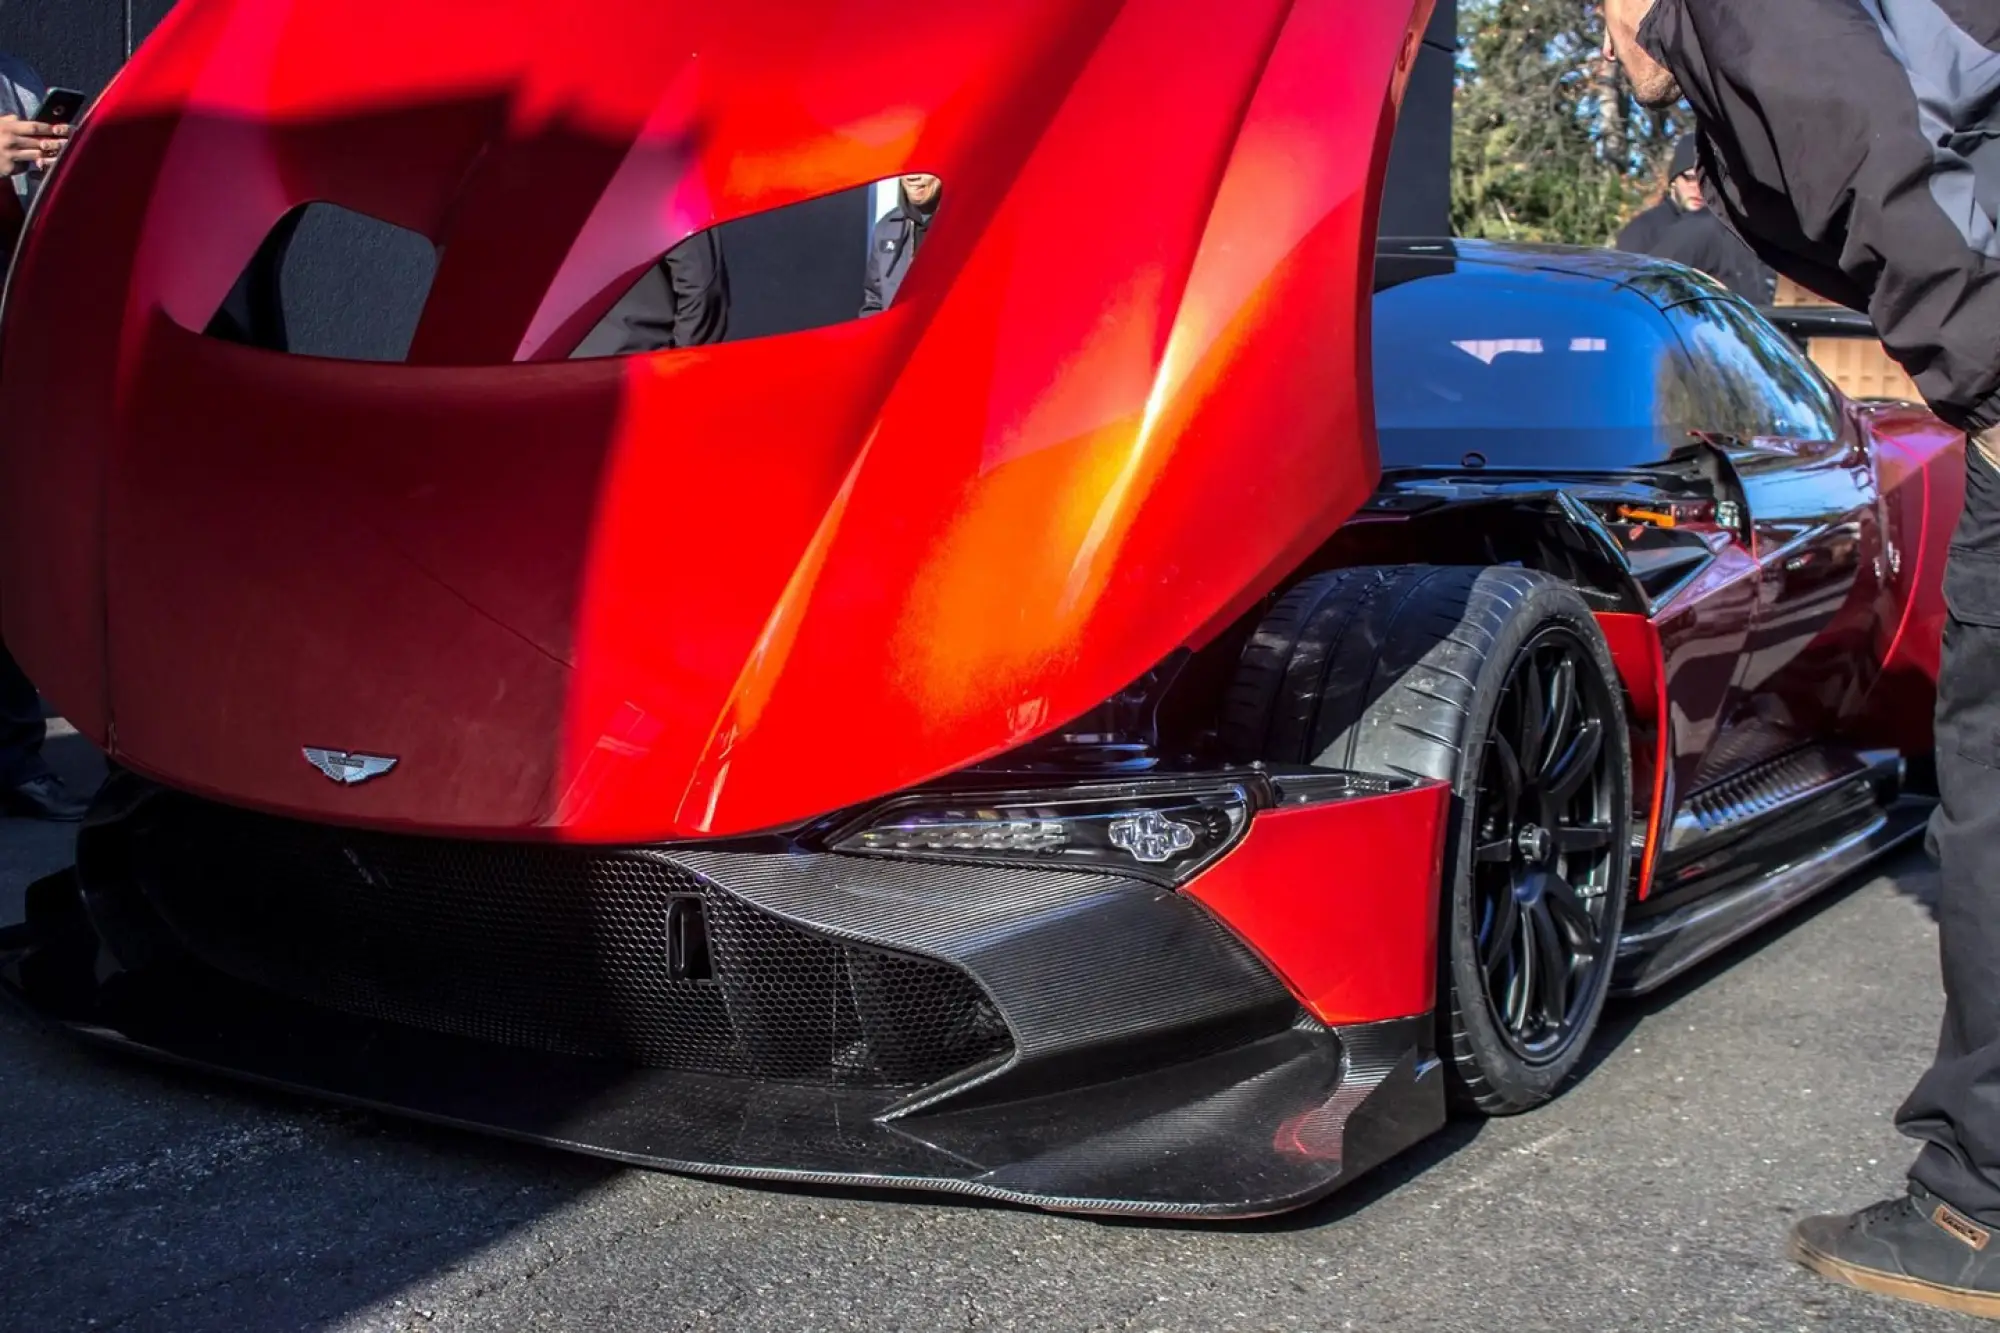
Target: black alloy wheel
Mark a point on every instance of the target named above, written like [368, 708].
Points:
[1546, 817]
[1499, 682]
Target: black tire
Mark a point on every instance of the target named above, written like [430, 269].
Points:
[1413, 671]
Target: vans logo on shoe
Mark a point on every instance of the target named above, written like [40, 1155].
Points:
[1962, 1227]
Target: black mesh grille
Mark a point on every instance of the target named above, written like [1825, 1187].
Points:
[559, 949]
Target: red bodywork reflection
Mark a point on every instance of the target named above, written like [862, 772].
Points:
[1921, 466]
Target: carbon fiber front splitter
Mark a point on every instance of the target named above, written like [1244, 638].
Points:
[1260, 1129]
[1152, 1070]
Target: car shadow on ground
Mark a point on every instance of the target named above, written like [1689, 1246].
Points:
[1908, 869]
[168, 1198]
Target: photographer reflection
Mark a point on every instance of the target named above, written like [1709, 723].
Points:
[682, 301]
[898, 237]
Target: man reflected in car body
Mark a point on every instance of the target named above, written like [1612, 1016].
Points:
[682, 301]
[898, 237]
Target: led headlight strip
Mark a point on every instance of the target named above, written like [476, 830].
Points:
[1166, 830]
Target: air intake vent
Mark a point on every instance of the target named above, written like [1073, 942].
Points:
[330, 282]
[618, 955]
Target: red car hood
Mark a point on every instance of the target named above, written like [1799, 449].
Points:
[710, 590]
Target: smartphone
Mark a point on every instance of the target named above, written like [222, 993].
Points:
[61, 107]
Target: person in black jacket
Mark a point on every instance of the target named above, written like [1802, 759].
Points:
[1855, 144]
[898, 237]
[1681, 228]
[1643, 232]
[682, 301]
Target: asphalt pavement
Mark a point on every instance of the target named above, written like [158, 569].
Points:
[1653, 1196]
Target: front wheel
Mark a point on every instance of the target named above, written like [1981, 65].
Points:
[1499, 682]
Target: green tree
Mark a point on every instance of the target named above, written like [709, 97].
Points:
[1550, 145]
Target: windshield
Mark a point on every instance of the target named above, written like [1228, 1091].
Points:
[1530, 370]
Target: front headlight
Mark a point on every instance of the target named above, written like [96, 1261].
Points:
[1165, 835]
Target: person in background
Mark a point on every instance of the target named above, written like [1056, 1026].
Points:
[1855, 144]
[27, 149]
[898, 237]
[1681, 228]
[682, 301]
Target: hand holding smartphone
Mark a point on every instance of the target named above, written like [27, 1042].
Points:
[58, 112]
[61, 107]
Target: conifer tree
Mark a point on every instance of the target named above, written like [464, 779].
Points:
[1550, 145]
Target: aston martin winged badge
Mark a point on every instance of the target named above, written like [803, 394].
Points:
[348, 769]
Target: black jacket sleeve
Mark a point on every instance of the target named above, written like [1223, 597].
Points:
[682, 301]
[699, 280]
[872, 299]
[1830, 145]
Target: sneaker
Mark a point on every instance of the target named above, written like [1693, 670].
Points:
[1918, 1248]
[45, 797]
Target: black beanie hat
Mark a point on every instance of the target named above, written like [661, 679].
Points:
[1686, 155]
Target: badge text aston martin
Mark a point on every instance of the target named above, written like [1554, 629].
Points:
[348, 769]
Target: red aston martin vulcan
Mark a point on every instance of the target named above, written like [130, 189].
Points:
[1151, 720]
